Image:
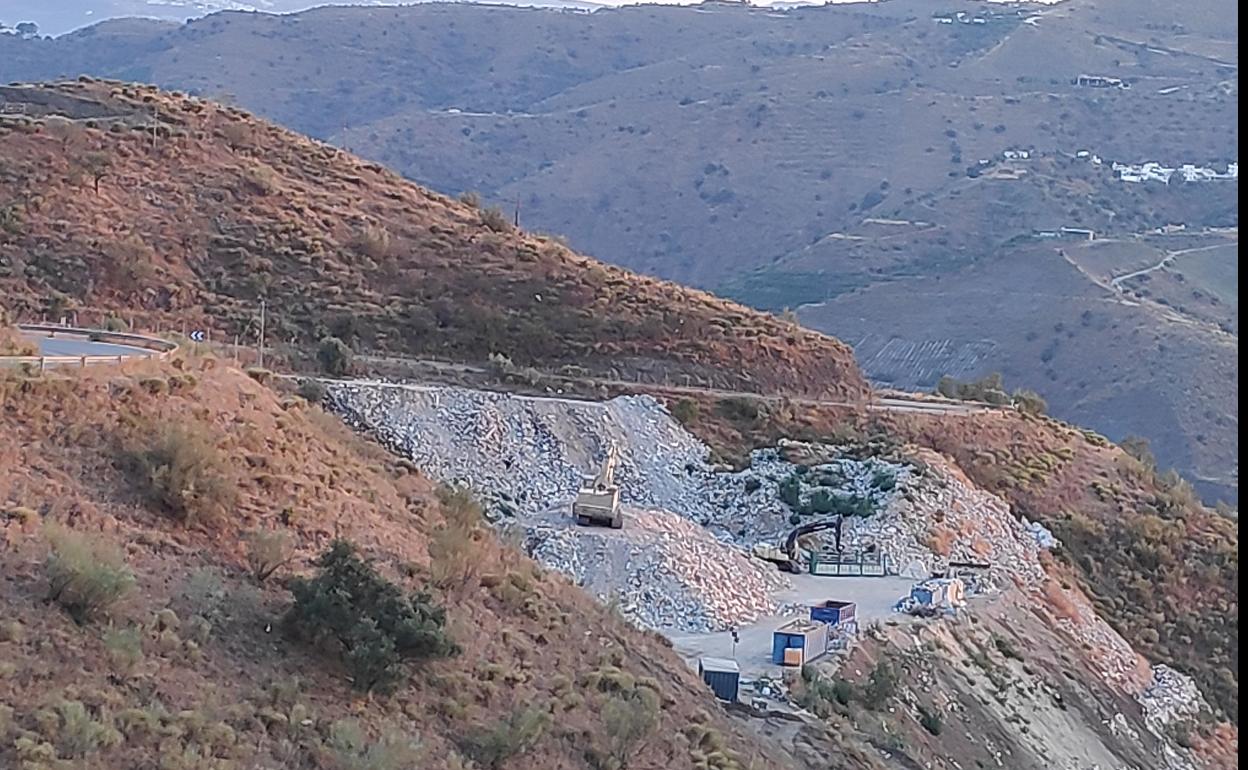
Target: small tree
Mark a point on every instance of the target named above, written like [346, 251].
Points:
[334, 356]
[373, 625]
[97, 165]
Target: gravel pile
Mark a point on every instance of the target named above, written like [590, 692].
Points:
[1171, 697]
[663, 571]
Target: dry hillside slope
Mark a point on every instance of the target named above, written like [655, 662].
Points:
[123, 197]
[190, 668]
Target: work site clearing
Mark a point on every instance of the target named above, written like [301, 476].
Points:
[683, 565]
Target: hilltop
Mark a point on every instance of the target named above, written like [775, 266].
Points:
[840, 161]
[125, 198]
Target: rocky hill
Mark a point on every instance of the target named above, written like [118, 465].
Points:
[121, 197]
[844, 160]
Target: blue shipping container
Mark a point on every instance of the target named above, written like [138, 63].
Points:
[723, 676]
[809, 637]
[833, 612]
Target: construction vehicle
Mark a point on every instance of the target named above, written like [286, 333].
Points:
[598, 500]
[786, 557]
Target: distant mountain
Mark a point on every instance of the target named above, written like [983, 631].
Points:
[63, 16]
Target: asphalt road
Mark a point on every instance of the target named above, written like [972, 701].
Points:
[80, 346]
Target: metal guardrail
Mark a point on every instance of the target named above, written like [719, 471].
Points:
[156, 347]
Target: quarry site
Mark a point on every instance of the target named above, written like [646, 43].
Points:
[922, 552]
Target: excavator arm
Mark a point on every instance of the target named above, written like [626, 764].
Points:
[790, 543]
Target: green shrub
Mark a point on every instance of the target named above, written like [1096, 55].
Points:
[182, 471]
[494, 745]
[495, 220]
[372, 623]
[790, 491]
[312, 391]
[125, 648]
[334, 356]
[267, 552]
[881, 685]
[1006, 647]
[739, 409]
[85, 575]
[931, 721]
[1029, 402]
[77, 733]
[628, 719]
[685, 411]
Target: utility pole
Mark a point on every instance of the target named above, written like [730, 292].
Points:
[261, 346]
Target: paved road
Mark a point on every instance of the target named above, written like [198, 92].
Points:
[886, 402]
[77, 346]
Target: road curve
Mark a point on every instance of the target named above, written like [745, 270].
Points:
[79, 346]
[71, 346]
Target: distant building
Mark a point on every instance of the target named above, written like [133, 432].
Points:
[1101, 81]
[1016, 155]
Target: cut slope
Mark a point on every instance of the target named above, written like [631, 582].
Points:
[202, 211]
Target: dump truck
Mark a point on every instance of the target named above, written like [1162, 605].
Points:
[598, 500]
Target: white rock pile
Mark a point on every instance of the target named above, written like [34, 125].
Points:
[661, 570]
[1171, 697]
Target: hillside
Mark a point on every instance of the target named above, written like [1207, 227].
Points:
[1161, 568]
[124, 198]
[841, 160]
[190, 668]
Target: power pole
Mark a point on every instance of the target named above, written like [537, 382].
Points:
[261, 346]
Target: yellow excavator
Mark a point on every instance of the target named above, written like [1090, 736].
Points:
[598, 500]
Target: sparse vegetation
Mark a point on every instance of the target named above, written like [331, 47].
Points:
[352, 750]
[496, 220]
[86, 574]
[492, 746]
[267, 552]
[181, 471]
[685, 411]
[374, 627]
